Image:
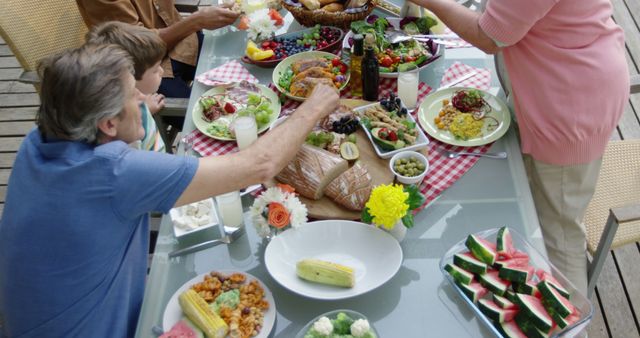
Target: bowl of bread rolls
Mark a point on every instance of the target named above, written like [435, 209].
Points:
[339, 13]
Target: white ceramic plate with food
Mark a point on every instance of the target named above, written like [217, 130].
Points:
[374, 255]
[179, 216]
[421, 141]
[173, 313]
[218, 128]
[432, 105]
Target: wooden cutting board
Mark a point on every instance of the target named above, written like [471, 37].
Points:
[378, 168]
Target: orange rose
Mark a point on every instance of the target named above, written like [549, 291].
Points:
[286, 188]
[278, 215]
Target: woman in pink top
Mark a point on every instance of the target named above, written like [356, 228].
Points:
[569, 80]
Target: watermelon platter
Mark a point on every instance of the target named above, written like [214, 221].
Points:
[512, 288]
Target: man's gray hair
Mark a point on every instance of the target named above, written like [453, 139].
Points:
[80, 87]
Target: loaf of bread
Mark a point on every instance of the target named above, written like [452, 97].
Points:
[356, 3]
[351, 189]
[326, 2]
[334, 7]
[311, 170]
[310, 4]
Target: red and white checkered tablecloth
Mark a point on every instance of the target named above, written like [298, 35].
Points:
[443, 171]
[232, 71]
[457, 43]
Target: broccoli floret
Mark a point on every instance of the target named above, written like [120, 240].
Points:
[342, 323]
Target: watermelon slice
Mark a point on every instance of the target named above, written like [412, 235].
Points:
[482, 249]
[468, 262]
[528, 288]
[504, 243]
[528, 328]
[458, 274]
[473, 291]
[491, 281]
[564, 322]
[545, 276]
[183, 329]
[510, 330]
[504, 302]
[533, 308]
[511, 296]
[495, 312]
[554, 301]
[516, 274]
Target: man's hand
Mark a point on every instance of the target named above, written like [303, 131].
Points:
[323, 99]
[155, 102]
[213, 17]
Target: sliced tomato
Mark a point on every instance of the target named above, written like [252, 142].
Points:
[335, 62]
[386, 61]
[392, 136]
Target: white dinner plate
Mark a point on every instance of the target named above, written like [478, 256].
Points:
[173, 313]
[374, 255]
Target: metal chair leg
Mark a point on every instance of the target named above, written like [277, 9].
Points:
[601, 253]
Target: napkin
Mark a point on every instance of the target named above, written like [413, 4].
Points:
[231, 71]
[481, 80]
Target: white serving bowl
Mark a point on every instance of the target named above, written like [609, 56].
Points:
[409, 179]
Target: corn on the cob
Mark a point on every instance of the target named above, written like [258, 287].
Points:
[199, 312]
[324, 272]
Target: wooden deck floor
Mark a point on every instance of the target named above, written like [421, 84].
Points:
[617, 298]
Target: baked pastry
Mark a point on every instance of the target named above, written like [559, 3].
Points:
[311, 170]
[326, 2]
[356, 3]
[352, 188]
[310, 4]
[334, 7]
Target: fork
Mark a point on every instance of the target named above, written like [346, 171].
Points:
[230, 234]
[500, 154]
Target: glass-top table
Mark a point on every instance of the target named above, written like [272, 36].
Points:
[417, 301]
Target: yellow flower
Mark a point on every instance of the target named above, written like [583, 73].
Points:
[387, 204]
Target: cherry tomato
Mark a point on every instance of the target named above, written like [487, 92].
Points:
[386, 61]
[396, 59]
[343, 68]
[409, 58]
[335, 62]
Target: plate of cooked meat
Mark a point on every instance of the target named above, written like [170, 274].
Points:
[297, 75]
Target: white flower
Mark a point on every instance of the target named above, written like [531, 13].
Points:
[323, 326]
[298, 210]
[260, 25]
[360, 327]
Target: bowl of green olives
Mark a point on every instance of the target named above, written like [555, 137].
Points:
[410, 167]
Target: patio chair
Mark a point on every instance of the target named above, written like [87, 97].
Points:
[36, 29]
[613, 215]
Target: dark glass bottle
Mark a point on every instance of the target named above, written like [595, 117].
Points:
[370, 75]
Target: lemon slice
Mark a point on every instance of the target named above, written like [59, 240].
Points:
[349, 151]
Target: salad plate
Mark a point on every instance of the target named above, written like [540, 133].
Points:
[495, 125]
[540, 263]
[173, 312]
[219, 106]
[332, 315]
[401, 50]
[284, 75]
[374, 255]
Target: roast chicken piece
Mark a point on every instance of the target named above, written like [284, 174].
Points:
[302, 65]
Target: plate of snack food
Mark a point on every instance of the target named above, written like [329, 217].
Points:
[512, 288]
[339, 323]
[464, 116]
[193, 217]
[269, 53]
[336, 168]
[390, 128]
[219, 107]
[297, 75]
[333, 259]
[402, 56]
[226, 303]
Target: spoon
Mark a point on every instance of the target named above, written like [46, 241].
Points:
[501, 154]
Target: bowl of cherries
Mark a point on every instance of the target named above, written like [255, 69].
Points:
[320, 38]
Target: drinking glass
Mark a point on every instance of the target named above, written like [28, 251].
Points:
[246, 131]
[408, 88]
[230, 209]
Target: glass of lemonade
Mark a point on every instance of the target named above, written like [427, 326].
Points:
[408, 88]
[230, 209]
[246, 131]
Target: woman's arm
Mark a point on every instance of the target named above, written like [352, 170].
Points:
[264, 158]
[461, 20]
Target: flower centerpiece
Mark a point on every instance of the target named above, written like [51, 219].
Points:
[277, 208]
[261, 24]
[390, 204]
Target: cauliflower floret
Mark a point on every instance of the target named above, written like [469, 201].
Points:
[360, 328]
[323, 326]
